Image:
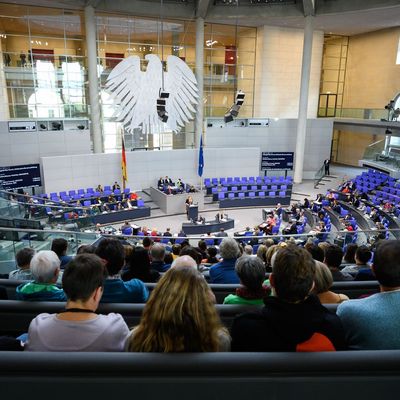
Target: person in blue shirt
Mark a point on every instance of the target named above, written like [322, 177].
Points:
[115, 289]
[373, 323]
[224, 271]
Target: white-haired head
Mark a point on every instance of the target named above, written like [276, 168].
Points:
[184, 261]
[45, 266]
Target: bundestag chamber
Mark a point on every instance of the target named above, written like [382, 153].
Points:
[230, 170]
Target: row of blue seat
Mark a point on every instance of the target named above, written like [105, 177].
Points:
[242, 195]
[82, 194]
[247, 180]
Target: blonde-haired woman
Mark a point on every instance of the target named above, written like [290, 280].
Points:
[180, 316]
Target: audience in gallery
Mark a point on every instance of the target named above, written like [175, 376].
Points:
[180, 315]
[45, 268]
[79, 327]
[60, 247]
[23, 259]
[139, 267]
[323, 281]
[112, 252]
[362, 257]
[224, 271]
[372, 323]
[251, 272]
[292, 319]
[333, 259]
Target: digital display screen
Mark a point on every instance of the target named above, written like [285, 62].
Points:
[277, 160]
[20, 176]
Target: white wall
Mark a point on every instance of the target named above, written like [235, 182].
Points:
[145, 167]
[278, 72]
[18, 148]
[279, 136]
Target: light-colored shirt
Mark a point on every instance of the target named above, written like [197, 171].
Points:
[104, 333]
[372, 323]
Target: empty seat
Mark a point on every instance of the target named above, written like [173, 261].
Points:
[264, 187]
[244, 188]
[271, 194]
[221, 196]
[234, 189]
[107, 188]
[53, 194]
[252, 194]
[251, 179]
[241, 195]
[71, 192]
[89, 190]
[222, 181]
[231, 195]
[207, 182]
[63, 194]
[244, 179]
[127, 190]
[274, 187]
[81, 191]
[282, 194]
[214, 190]
[224, 189]
[140, 203]
[261, 194]
[87, 203]
[214, 181]
[229, 180]
[254, 187]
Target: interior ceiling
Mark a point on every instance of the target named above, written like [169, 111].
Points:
[342, 17]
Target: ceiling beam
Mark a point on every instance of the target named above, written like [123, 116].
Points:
[202, 8]
[309, 7]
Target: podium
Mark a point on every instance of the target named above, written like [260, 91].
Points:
[193, 213]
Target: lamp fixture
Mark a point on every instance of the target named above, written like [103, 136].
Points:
[234, 110]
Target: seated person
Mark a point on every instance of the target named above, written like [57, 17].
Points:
[126, 228]
[180, 315]
[79, 327]
[224, 271]
[115, 289]
[251, 272]
[23, 259]
[60, 247]
[160, 183]
[373, 323]
[45, 267]
[292, 319]
[139, 267]
[157, 254]
[180, 185]
[116, 186]
[362, 255]
[99, 189]
[333, 259]
[323, 282]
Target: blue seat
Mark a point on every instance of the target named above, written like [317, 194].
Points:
[234, 189]
[222, 181]
[214, 190]
[261, 194]
[221, 196]
[81, 191]
[87, 203]
[229, 180]
[231, 195]
[271, 194]
[264, 187]
[107, 188]
[63, 194]
[253, 187]
[89, 190]
[127, 190]
[207, 182]
[241, 195]
[71, 192]
[244, 179]
[224, 189]
[283, 187]
[282, 194]
[140, 203]
[214, 181]
[244, 188]
[252, 194]
[251, 179]
[53, 194]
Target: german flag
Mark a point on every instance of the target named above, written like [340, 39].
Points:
[123, 163]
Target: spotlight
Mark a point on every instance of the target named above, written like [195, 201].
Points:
[228, 117]
[234, 110]
[161, 104]
[239, 98]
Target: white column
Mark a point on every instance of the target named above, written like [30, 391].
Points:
[198, 125]
[303, 102]
[94, 95]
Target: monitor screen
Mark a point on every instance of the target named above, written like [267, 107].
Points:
[20, 176]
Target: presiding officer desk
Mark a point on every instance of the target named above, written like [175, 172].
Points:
[193, 228]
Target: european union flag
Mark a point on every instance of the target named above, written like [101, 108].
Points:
[201, 157]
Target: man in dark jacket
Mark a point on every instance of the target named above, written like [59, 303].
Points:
[292, 319]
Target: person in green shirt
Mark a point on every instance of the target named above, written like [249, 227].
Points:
[251, 272]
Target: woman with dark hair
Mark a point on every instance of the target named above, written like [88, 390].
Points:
[138, 266]
[349, 255]
[180, 316]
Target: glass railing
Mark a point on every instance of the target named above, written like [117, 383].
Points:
[318, 176]
[24, 211]
[374, 151]
[12, 240]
